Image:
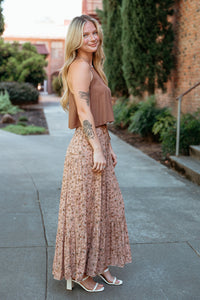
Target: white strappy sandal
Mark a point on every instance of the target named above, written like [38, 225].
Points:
[114, 280]
[70, 282]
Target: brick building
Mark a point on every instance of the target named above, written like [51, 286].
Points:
[187, 55]
[89, 7]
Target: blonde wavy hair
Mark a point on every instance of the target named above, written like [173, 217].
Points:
[73, 42]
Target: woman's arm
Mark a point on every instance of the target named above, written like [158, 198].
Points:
[79, 79]
[113, 155]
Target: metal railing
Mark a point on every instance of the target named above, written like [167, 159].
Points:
[179, 98]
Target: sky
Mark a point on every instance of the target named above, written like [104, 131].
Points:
[39, 17]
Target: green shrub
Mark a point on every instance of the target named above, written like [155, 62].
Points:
[57, 85]
[143, 119]
[23, 118]
[6, 106]
[20, 93]
[189, 135]
[164, 120]
[119, 105]
[123, 109]
[169, 141]
[21, 123]
[24, 130]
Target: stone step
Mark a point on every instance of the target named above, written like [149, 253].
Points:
[195, 152]
[188, 166]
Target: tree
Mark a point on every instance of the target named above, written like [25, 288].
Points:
[1, 19]
[147, 39]
[21, 63]
[32, 70]
[112, 29]
[7, 61]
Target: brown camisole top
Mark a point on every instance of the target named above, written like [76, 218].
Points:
[100, 103]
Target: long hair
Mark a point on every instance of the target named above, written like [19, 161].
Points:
[73, 42]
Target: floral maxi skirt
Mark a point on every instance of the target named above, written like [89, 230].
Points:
[92, 231]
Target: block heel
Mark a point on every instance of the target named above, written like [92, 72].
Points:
[69, 284]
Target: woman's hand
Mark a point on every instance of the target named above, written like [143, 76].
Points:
[99, 161]
[113, 155]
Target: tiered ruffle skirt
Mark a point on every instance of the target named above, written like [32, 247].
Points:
[92, 231]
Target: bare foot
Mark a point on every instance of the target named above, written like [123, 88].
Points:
[109, 277]
[89, 283]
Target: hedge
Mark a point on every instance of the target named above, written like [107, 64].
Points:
[20, 93]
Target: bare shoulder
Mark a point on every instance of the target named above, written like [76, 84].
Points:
[79, 68]
[79, 76]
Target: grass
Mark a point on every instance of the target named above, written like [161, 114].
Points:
[24, 130]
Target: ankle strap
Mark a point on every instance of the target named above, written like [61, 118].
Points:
[85, 278]
[96, 285]
[106, 270]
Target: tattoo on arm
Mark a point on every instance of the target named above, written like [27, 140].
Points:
[87, 129]
[85, 96]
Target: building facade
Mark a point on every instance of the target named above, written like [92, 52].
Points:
[89, 7]
[187, 58]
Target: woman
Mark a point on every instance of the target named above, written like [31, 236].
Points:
[92, 231]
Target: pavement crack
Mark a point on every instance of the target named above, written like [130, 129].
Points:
[159, 242]
[197, 252]
[45, 237]
[42, 217]
[44, 230]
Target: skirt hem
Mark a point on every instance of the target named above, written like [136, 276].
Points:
[92, 275]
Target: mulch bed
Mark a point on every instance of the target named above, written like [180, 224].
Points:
[146, 145]
[35, 117]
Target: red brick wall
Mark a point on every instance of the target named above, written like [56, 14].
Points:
[89, 7]
[56, 58]
[187, 53]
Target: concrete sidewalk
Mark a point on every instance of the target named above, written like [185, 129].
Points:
[162, 211]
